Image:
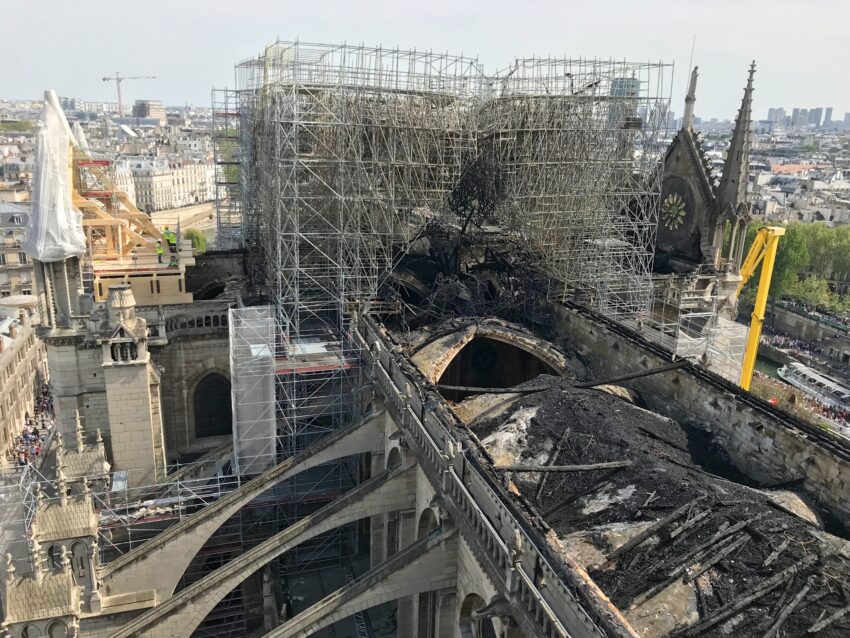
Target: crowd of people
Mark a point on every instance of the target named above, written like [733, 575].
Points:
[815, 312]
[797, 346]
[829, 412]
[29, 444]
[783, 392]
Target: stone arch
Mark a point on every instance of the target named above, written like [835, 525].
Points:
[393, 519]
[183, 612]
[426, 602]
[394, 458]
[516, 356]
[80, 562]
[428, 522]
[492, 363]
[210, 290]
[211, 407]
[54, 557]
[31, 631]
[470, 626]
[409, 287]
[57, 629]
[161, 561]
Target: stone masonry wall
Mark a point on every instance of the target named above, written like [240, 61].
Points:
[77, 382]
[184, 362]
[132, 435]
[760, 444]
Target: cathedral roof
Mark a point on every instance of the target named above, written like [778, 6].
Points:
[53, 596]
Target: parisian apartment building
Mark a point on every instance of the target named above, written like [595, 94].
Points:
[16, 267]
[163, 184]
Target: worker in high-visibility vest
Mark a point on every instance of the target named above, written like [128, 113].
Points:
[171, 238]
[159, 251]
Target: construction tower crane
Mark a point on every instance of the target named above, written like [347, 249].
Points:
[763, 251]
[118, 79]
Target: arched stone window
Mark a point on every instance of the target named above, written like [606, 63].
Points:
[474, 627]
[54, 557]
[427, 523]
[79, 562]
[211, 401]
[57, 630]
[394, 459]
[31, 631]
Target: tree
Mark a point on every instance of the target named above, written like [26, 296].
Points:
[792, 258]
[840, 261]
[198, 239]
[821, 243]
[813, 291]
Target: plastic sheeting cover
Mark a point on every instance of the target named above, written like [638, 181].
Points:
[80, 135]
[55, 227]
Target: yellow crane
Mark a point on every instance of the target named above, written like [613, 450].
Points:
[763, 251]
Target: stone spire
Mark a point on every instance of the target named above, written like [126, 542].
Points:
[733, 183]
[65, 555]
[78, 430]
[35, 556]
[39, 494]
[10, 568]
[61, 486]
[60, 451]
[690, 98]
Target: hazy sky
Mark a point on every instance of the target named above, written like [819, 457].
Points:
[801, 46]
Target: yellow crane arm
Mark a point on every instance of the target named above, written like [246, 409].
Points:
[763, 251]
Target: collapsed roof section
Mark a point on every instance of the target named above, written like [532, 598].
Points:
[644, 508]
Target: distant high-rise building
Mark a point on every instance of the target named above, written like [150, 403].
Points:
[815, 116]
[804, 118]
[153, 109]
[780, 115]
[771, 115]
[795, 118]
[846, 120]
[827, 119]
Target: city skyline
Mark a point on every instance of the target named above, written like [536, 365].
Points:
[192, 46]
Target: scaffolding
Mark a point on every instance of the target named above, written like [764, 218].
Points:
[252, 370]
[347, 144]
[687, 319]
[353, 147]
[227, 156]
[578, 177]
[345, 152]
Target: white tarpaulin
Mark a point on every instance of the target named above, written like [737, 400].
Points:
[80, 136]
[55, 227]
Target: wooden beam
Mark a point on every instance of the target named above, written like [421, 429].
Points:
[610, 465]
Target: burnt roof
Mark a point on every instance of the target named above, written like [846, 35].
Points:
[710, 517]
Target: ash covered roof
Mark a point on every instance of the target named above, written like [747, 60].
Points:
[674, 538]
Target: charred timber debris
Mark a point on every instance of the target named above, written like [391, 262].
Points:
[623, 493]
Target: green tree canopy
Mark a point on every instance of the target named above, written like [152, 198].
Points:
[198, 239]
[808, 256]
[792, 258]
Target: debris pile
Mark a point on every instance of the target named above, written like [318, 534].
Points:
[633, 498]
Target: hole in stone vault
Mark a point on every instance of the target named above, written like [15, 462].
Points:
[488, 363]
